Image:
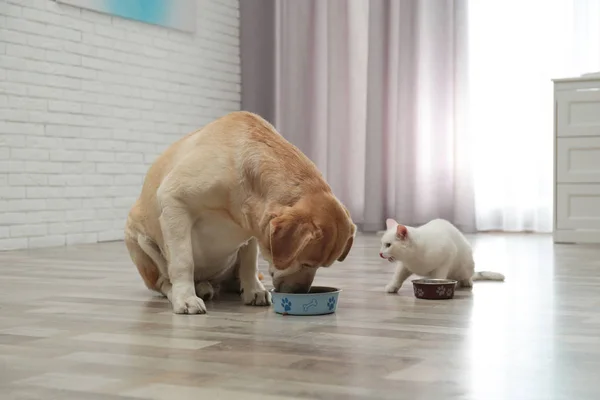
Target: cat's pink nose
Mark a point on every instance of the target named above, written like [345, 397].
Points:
[381, 255]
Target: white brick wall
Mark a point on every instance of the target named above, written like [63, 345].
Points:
[87, 101]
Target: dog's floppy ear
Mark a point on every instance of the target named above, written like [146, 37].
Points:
[346, 249]
[288, 237]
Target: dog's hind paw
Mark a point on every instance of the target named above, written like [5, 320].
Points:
[205, 290]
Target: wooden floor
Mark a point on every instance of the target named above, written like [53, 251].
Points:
[77, 323]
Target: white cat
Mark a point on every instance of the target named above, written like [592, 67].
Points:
[435, 250]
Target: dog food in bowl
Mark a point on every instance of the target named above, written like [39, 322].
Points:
[319, 300]
[434, 289]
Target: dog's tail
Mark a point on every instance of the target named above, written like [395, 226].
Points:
[487, 276]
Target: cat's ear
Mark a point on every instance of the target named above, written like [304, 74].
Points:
[390, 223]
[401, 232]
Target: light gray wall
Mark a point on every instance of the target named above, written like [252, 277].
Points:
[257, 49]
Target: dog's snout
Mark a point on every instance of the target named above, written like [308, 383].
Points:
[296, 288]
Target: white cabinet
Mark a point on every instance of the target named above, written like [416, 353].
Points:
[578, 112]
[578, 207]
[577, 160]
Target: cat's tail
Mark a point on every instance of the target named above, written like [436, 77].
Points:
[487, 276]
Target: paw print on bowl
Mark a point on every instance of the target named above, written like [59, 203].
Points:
[441, 290]
[286, 304]
[331, 303]
[419, 292]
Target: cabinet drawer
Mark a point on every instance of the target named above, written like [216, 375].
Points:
[578, 113]
[578, 160]
[577, 206]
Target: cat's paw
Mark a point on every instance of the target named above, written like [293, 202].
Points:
[392, 288]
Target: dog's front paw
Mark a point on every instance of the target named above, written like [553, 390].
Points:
[392, 288]
[256, 297]
[189, 305]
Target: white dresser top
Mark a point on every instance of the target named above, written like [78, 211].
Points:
[591, 76]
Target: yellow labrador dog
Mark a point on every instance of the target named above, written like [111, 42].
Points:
[216, 196]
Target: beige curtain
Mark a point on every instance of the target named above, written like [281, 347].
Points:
[374, 92]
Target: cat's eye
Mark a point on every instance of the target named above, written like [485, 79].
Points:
[388, 244]
[307, 266]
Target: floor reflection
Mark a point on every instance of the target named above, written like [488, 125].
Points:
[77, 323]
[511, 337]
